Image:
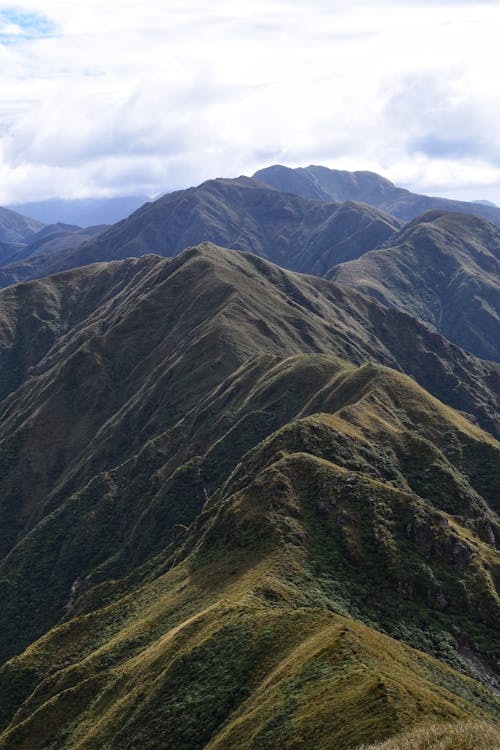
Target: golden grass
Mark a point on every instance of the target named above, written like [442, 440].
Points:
[462, 735]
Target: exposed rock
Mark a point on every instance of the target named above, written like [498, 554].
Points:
[461, 556]
[323, 509]
[437, 600]
[77, 583]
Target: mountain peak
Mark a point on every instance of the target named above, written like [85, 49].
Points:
[367, 187]
[243, 214]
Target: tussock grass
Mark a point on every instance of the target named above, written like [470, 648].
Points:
[462, 735]
[233, 515]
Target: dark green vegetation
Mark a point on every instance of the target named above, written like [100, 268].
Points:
[326, 184]
[442, 268]
[302, 235]
[232, 517]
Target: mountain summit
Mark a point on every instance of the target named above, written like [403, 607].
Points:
[322, 183]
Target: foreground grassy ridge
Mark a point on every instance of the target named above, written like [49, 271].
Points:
[243, 671]
[244, 643]
[191, 504]
[104, 533]
[464, 735]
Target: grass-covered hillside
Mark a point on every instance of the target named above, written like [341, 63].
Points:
[16, 228]
[443, 268]
[323, 183]
[302, 235]
[232, 516]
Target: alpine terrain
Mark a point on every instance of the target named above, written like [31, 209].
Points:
[244, 508]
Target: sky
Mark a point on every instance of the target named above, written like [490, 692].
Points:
[108, 97]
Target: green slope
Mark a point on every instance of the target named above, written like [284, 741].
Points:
[244, 640]
[222, 526]
[444, 269]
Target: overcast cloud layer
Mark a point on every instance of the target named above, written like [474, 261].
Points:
[100, 97]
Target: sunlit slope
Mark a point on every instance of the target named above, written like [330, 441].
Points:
[463, 735]
[244, 642]
[227, 522]
[322, 518]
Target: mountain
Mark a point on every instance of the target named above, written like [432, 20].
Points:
[17, 229]
[302, 235]
[443, 268]
[232, 517]
[326, 184]
[7, 251]
[486, 203]
[83, 212]
[52, 238]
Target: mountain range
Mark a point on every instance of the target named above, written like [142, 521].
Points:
[326, 184]
[50, 239]
[22, 237]
[308, 236]
[244, 507]
[442, 267]
[83, 212]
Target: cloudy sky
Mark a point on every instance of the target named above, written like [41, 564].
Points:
[113, 97]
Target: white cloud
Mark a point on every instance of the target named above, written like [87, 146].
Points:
[114, 97]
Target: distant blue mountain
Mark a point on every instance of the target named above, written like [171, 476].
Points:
[83, 212]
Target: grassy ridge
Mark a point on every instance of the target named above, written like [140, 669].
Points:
[251, 625]
[464, 735]
[246, 538]
[444, 269]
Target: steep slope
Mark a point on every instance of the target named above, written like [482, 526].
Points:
[444, 269]
[15, 228]
[463, 735]
[302, 235]
[217, 532]
[269, 310]
[51, 239]
[337, 185]
[206, 648]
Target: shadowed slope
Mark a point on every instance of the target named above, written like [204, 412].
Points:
[200, 494]
[303, 235]
[338, 185]
[445, 270]
[51, 239]
[15, 228]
